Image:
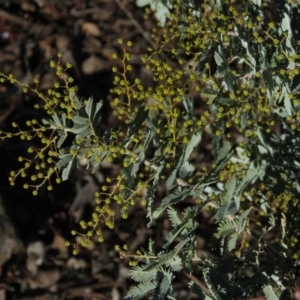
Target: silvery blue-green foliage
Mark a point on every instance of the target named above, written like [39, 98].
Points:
[268, 72]
[85, 124]
[160, 7]
[163, 8]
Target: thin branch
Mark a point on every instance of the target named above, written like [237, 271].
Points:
[180, 181]
[136, 24]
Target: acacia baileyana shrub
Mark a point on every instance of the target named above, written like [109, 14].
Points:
[241, 63]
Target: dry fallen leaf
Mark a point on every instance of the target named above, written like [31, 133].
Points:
[27, 6]
[46, 47]
[2, 294]
[59, 244]
[85, 195]
[115, 294]
[108, 8]
[89, 28]
[9, 242]
[47, 81]
[44, 279]
[92, 45]
[63, 43]
[107, 52]
[76, 263]
[93, 64]
[35, 257]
